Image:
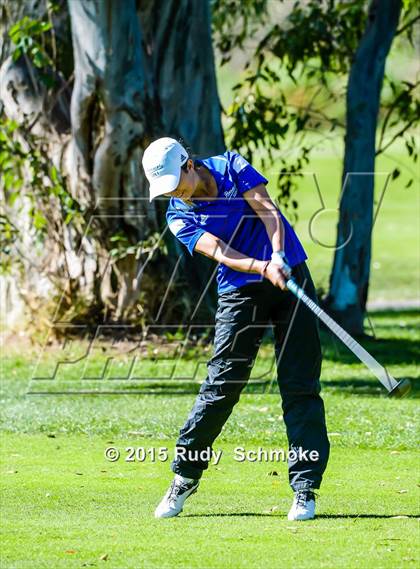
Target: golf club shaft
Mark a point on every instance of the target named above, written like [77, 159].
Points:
[384, 377]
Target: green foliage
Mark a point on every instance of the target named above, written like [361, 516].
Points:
[262, 122]
[323, 34]
[122, 245]
[32, 185]
[12, 159]
[27, 38]
[235, 22]
[30, 39]
[308, 54]
[27, 171]
[400, 115]
[8, 237]
[11, 165]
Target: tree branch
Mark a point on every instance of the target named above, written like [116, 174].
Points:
[397, 135]
[391, 110]
[407, 25]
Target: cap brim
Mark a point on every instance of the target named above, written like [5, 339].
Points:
[163, 185]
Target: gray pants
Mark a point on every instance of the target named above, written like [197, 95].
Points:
[241, 319]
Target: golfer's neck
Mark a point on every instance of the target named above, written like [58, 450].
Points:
[207, 186]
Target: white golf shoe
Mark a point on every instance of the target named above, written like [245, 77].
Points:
[303, 507]
[173, 501]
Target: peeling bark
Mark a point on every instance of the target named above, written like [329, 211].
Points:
[110, 79]
[349, 280]
[27, 101]
[140, 71]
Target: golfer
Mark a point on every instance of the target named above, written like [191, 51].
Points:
[219, 207]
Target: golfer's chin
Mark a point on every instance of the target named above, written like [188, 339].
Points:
[187, 199]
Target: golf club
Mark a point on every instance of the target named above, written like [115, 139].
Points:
[397, 389]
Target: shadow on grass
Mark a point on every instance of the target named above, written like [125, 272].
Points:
[320, 516]
[388, 352]
[351, 386]
[357, 386]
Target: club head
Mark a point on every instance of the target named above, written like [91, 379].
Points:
[402, 389]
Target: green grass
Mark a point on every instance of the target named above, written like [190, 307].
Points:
[395, 270]
[64, 505]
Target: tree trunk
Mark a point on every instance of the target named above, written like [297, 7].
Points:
[349, 279]
[178, 41]
[168, 90]
[112, 112]
[43, 113]
[141, 70]
[111, 102]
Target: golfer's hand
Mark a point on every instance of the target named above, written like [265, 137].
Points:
[276, 275]
[286, 270]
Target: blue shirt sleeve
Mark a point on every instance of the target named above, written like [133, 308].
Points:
[184, 229]
[244, 175]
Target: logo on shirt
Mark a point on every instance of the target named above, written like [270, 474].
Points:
[203, 219]
[231, 193]
[239, 163]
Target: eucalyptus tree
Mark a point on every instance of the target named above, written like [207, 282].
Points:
[85, 86]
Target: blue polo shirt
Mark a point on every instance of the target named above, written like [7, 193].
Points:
[230, 218]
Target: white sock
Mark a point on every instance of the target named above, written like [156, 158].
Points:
[183, 478]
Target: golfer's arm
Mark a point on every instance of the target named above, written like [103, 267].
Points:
[215, 248]
[260, 201]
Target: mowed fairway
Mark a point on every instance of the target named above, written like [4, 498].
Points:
[64, 505]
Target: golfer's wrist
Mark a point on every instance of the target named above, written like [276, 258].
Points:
[262, 267]
[279, 257]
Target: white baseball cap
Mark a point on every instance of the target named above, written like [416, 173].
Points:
[162, 161]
